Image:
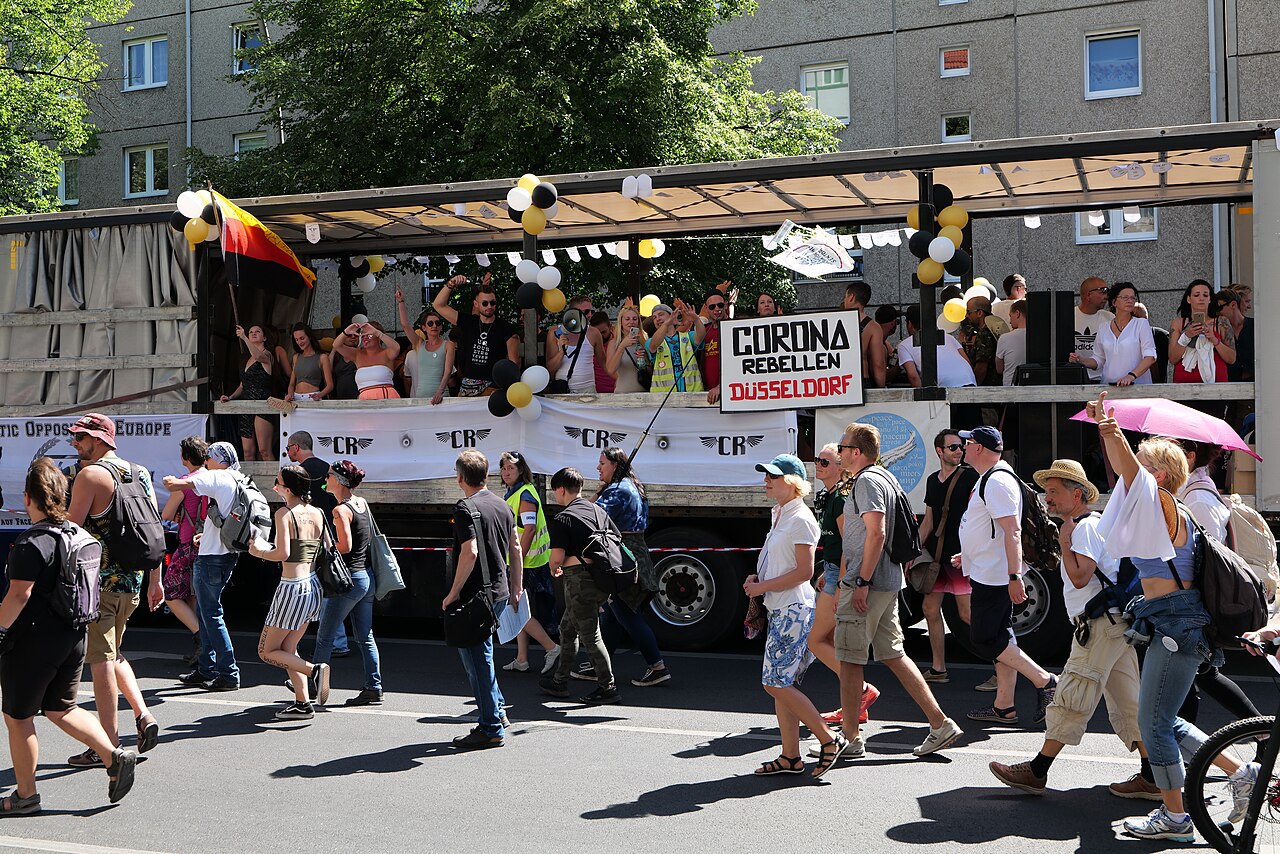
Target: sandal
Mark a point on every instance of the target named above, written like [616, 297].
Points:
[14, 804]
[781, 765]
[121, 773]
[831, 751]
[995, 714]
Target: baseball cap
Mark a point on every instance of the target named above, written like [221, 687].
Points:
[662, 306]
[98, 426]
[987, 437]
[783, 464]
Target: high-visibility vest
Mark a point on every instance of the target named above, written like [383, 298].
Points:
[665, 370]
[539, 553]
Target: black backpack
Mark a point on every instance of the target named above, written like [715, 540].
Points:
[75, 594]
[1229, 589]
[902, 528]
[610, 562]
[1040, 547]
[248, 517]
[134, 532]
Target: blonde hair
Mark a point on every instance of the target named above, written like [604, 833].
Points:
[864, 437]
[799, 484]
[1167, 456]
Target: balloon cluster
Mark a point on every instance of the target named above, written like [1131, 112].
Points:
[515, 391]
[651, 248]
[941, 252]
[539, 284]
[364, 267]
[195, 217]
[532, 203]
[955, 310]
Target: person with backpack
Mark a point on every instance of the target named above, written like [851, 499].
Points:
[188, 511]
[991, 555]
[880, 536]
[115, 502]
[42, 639]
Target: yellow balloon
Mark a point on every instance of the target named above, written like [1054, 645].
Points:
[913, 217]
[954, 310]
[554, 300]
[953, 215]
[196, 230]
[205, 196]
[326, 344]
[519, 395]
[527, 182]
[929, 272]
[647, 249]
[647, 304]
[375, 263]
[534, 220]
[337, 322]
[953, 234]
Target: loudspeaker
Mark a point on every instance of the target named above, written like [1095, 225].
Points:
[1051, 327]
[1035, 427]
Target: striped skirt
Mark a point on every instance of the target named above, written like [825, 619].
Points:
[296, 603]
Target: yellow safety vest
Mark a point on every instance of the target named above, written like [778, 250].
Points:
[539, 553]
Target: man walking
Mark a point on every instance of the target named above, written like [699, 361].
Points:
[867, 604]
[482, 520]
[93, 505]
[991, 555]
[570, 530]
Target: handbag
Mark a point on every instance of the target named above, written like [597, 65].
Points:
[923, 575]
[470, 622]
[757, 619]
[331, 567]
[644, 375]
[382, 561]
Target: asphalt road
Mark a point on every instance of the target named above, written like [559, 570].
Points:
[670, 770]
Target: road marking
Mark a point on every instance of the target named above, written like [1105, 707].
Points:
[25, 844]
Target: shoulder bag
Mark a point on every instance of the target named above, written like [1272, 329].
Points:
[382, 561]
[331, 567]
[470, 622]
[924, 574]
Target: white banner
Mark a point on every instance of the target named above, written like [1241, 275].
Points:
[906, 438]
[686, 445]
[806, 360]
[147, 440]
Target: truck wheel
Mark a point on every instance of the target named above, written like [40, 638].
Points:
[1040, 623]
[699, 600]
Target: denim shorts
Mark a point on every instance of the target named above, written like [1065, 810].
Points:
[830, 577]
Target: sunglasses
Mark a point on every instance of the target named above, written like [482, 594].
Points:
[715, 305]
[773, 476]
[823, 463]
[488, 302]
[1097, 290]
[846, 447]
[954, 446]
[79, 437]
[436, 322]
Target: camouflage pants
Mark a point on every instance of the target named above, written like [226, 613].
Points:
[581, 622]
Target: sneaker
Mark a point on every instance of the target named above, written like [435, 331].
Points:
[1044, 696]
[652, 677]
[194, 679]
[1136, 787]
[1158, 825]
[870, 694]
[88, 759]
[553, 687]
[341, 653]
[585, 672]
[222, 683]
[939, 738]
[517, 665]
[553, 656]
[1019, 777]
[367, 697]
[835, 718]
[123, 763]
[991, 714]
[856, 750]
[296, 711]
[1241, 784]
[477, 740]
[941, 677]
[148, 732]
[318, 684]
[601, 697]
[989, 686]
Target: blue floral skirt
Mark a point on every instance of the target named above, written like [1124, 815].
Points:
[786, 649]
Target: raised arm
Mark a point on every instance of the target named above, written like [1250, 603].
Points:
[403, 312]
[441, 302]
[1124, 461]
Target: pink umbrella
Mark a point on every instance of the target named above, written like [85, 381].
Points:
[1159, 417]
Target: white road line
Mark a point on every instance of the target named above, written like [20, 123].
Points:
[25, 844]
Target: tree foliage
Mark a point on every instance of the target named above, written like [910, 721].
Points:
[49, 70]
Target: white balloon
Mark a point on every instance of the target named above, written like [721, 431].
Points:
[357, 260]
[518, 199]
[658, 248]
[549, 278]
[214, 232]
[527, 270]
[550, 213]
[531, 411]
[941, 249]
[623, 249]
[360, 318]
[976, 291]
[629, 187]
[190, 205]
[644, 185]
[535, 377]
[946, 325]
[366, 284]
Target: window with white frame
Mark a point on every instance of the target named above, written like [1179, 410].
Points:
[827, 88]
[146, 171]
[1116, 226]
[954, 61]
[244, 37]
[250, 142]
[69, 182]
[956, 127]
[146, 63]
[1112, 64]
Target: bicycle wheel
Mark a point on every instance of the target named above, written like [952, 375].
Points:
[1208, 793]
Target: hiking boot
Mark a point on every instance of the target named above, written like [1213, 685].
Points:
[553, 687]
[652, 677]
[1019, 777]
[870, 694]
[296, 711]
[1159, 825]
[1136, 787]
[1044, 696]
[148, 732]
[988, 686]
[88, 759]
[367, 697]
[939, 738]
[940, 677]
[585, 672]
[601, 697]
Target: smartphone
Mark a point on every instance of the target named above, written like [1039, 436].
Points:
[1198, 317]
[635, 330]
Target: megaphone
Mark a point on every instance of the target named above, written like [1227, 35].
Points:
[574, 321]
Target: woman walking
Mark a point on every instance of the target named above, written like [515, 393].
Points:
[256, 431]
[312, 374]
[535, 545]
[299, 529]
[188, 510]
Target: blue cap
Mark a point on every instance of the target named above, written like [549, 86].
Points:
[783, 464]
[987, 437]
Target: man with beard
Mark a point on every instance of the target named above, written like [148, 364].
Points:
[482, 338]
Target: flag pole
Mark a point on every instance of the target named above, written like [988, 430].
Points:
[221, 223]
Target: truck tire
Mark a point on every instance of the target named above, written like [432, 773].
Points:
[1040, 623]
[699, 602]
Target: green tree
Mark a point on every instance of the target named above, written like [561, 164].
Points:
[49, 70]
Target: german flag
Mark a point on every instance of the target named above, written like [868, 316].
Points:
[255, 255]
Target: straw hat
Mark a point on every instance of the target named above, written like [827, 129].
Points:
[1068, 470]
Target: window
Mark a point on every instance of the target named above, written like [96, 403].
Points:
[1115, 228]
[146, 171]
[954, 61]
[244, 37]
[1112, 64]
[146, 63]
[827, 87]
[250, 142]
[956, 128]
[69, 182]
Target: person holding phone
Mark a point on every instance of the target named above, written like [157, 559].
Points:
[628, 360]
[1201, 343]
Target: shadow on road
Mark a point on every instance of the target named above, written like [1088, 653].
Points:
[395, 760]
[683, 798]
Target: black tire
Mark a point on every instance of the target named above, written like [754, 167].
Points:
[1207, 799]
[700, 600]
[1041, 624]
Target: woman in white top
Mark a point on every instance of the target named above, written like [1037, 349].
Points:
[783, 574]
[566, 363]
[1200, 493]
[628, 353]
[1124, 350]
[433, 354]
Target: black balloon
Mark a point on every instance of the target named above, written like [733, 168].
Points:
[361, 271]
[528, 295]
[499, 405]
[942, 196]
[208, 215]
[959, 263]
[515, 215]
[950, 292]
[544, 195]
[919, 244]
[178, 221]
[505, 372]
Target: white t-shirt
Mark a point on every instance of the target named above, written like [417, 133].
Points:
[1119, 356]
[793, 525]
[1012, 349]
[1085, 540]
[219, 487]
[984, 559]
[953, 370]
[1087, 328]
[1202, 498]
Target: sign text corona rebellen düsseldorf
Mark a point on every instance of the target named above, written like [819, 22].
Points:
[804, 360]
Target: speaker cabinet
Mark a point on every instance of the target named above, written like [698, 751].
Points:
[1051, 327]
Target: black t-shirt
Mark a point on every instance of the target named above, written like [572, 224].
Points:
[573, 526]
[935, 491]
[497, 523]
[35, 560]
[481, 345]
[344, 378]
[318, 470]
[1243, 367]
